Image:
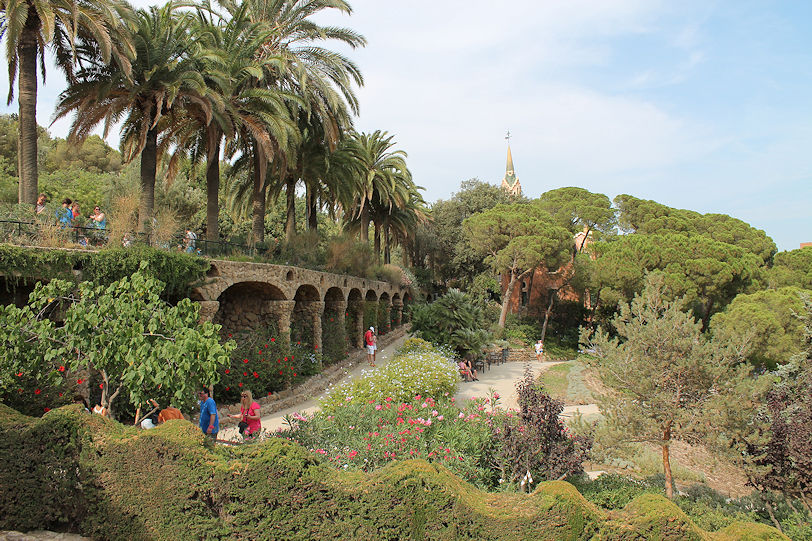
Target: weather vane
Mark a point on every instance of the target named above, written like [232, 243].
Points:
[508, 136]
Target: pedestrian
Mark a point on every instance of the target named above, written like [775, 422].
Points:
[539, 350]
[64, 215]
[209, 418]
[370, 342]
[191, 240]
[41, 200]
[249, 415]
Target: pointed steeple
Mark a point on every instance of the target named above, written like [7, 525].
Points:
[510, 183]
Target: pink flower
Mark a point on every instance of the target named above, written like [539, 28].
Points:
[378, 407]
[440, 418]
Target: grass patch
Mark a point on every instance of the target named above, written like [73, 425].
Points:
[566, 382]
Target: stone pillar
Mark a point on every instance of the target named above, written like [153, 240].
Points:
[397, 309]
[208, 309]
[316, 311]
[340, 308]
[282, 311]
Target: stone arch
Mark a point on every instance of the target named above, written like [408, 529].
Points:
[384, 323]
[246, 305]
[334, 330]
[396, 313]
[370, 309]
[305, 328]
[354, 318]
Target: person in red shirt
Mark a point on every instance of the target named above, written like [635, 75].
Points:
[370, 341]
[249, 414]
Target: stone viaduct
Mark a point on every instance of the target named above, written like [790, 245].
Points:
[240, 295]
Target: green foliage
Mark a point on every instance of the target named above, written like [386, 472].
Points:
[333, 337]
[124, 331]
[93, 155]
[414, 371]
[769, 320]
[792, 268]
[345, 255]
[577, 209]
[454, 321]
[663, 372]
[176, 270]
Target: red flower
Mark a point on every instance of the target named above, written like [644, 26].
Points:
[280, 372]
[269, 393]
[19, 374]
[316, 346]
[228, 388]
[60, 394]
[266, 345]
[79, 382]
[272, 340]
[286, 359]
[245, 373]
[47, 410]
[245, 361]
[331, 319]
[61, 368]
[228, 371]
[298, 343]
[37, 391]
[256, 375]
[239, 384]
[294, 374]
[101, 385]
[229, 335]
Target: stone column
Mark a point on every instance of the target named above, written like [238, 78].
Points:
[208, 309]
[316, 311]
[282, 311]
[340, 308]
[398, 313]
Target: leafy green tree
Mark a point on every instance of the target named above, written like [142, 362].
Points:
[649, 217]
[662, 372]
[165, 79]
[445, 235]
[579, 210]
[93, 155]
[135, 341]
[791, 268]
[708, 273]
[515, 239]
[769, 319]
[65, 26]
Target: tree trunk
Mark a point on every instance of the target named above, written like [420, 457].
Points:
[552, 293]
[312, 209]
[364, 237]
[27, 99]
[149, 168]
[377, 243]
[771, 512]
[258, 200]
[387, 250]
[669, 482]
[506, 299]
[290, 221]
[213, 188]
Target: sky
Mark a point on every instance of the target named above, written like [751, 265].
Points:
[704, 105]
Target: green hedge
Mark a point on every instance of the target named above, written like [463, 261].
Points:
[177, 270]
[72, 470]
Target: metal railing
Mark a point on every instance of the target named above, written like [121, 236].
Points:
[32, 233]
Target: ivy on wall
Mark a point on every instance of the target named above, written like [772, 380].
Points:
[176, 269]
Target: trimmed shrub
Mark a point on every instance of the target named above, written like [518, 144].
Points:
[83, 473]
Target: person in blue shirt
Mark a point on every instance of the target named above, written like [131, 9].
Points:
[209, 418]
[64, 215]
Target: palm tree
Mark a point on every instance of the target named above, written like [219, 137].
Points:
[30, 26]
[321, 80]
[239, 103]
[383, 176]
[164, 84]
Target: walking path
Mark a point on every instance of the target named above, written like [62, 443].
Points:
[500, 379]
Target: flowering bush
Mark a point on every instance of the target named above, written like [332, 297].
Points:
[367, 435]
[264, 364]
[425, 372]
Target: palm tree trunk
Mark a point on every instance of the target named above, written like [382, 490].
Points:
[377, 243]
[312, 209]
[387, 252]
[365, 224]
[27, 99]
[290, 221]
[149, 168]
[213, 188]
[258, 200]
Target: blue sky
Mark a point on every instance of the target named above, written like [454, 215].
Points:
[699, 105]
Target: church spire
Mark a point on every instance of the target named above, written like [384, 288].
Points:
[510, 183]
